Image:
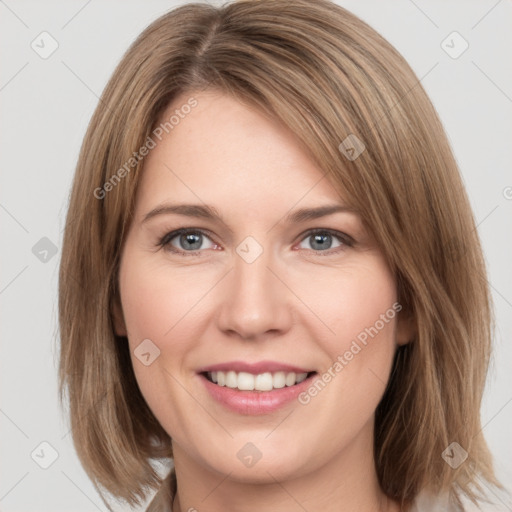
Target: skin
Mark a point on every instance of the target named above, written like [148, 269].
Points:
[294, 304]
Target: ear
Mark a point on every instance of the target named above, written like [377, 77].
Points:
[118, 317]
[406, 329]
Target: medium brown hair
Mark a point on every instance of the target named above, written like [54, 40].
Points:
[326, 75]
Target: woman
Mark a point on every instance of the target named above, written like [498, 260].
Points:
[324, 342]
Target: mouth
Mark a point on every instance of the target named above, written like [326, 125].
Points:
[261, 382]
[255, 388]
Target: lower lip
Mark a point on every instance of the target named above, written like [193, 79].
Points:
[255, 402]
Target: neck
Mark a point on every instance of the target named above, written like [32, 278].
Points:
[347, 482]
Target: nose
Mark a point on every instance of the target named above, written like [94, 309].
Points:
[257, 303]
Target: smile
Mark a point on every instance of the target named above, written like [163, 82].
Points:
[255, 388]
[245, 381]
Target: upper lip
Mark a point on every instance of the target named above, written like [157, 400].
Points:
[254, 368]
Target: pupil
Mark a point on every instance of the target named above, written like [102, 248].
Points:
[321, 239]
[192, 239]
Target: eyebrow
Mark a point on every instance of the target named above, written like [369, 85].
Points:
[210, 212]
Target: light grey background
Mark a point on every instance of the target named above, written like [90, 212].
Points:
[45, 107]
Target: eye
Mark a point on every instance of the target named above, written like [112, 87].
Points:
[322, 240]
[186, 240]
[189, 242]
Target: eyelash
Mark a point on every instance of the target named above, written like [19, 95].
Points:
[345, 239]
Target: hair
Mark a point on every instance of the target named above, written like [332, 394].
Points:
[326, 75]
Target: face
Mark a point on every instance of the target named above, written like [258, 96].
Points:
[300, 308]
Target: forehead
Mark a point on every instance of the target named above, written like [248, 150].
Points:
[221, 149]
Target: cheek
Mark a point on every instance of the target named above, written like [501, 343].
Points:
[353, 303]
[359, 307]
[152, 308]
[157, 303]
[345, 395]
[157, 307]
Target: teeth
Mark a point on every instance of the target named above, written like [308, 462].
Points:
[245, 381]
[279, 379]
[231, 380]
[290, 379]
[262, 382]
